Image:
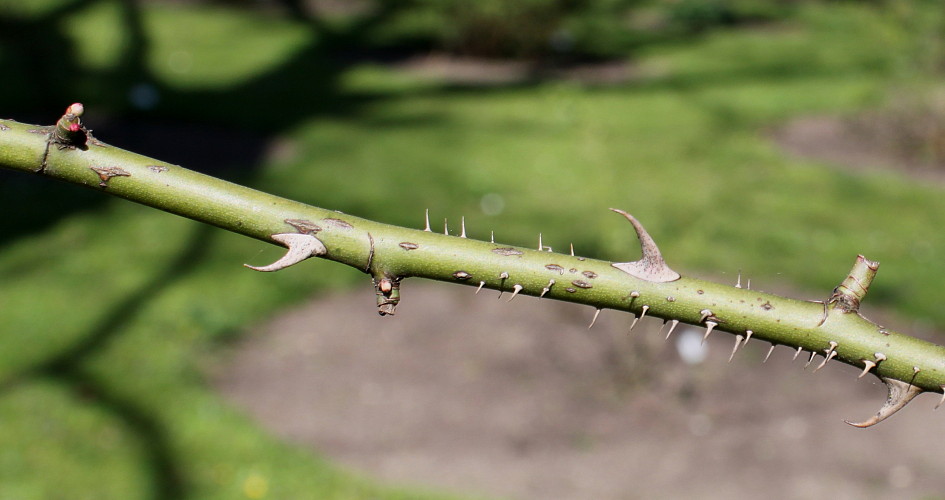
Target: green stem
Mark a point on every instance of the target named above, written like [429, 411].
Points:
[390, 254]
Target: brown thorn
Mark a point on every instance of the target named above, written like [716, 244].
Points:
[515, 289]
[867, 366]
[300, 247]
[770, 350]
[672, 327]
[738, 342]
[898, 396]
[709, 325]
[594, 319]
[651, 267]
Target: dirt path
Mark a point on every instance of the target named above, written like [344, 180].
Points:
[519, 400]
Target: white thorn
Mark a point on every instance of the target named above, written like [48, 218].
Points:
[738, 283]
[749, 284]
[915, 370]
[491, 236]
[462, 233]
[672, 327]
[879, 356]
[748, 334]
[830, 356]
[705, 314]
[572, 249]
[738, 342]
[867, 366]
[481, 284]
[633, 323]
[515, 289]
[301, 247]
[798, 353]
[547, 288]
[651, 266]
[594, 319]
[709, 325]
[426, 226]
[943, 399]
[634, 294]
[503, 275]
[645, 309]
[446, 229]
[770, 350]
[540, 246]
[811, 359]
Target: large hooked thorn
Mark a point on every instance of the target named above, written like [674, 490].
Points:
[899, 395]
[651, 267]
[301, 246]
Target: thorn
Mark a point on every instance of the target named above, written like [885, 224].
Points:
[867, 366]
[462, 223]
[798, 353]
[811, 359]
[541, 247]
[481, 284]
[749, 284]
[651, 267]
[943, 399]
[446, 229]
[738, 342]
[915, 370]
[672, 327]
[748, 334]
[638, 318]
[426, 226]
[738, 283]
[705, 314]
[572, 249]
[880, 357]
[515, 289]
[830, 355]
[898, 396]
[503, 275]
[301, 246]
[491, 236]
[770, 350]
[594, 319]
[634, 294]
[662, 326]
[547, 288]
[709, 325]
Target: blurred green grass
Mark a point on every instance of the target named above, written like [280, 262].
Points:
[112, 312]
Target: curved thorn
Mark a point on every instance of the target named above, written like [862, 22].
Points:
[748, 334]
[798, 353]
[462, 223]
[426, 225]
[830, 356]
[738, 342]
[943, 399]
[301, 246]
[515, 289]
[709, 325]
[481, 284]
[899, 395]
[651, 267]
[867, 366]
[672, 327]
[594, 319]
[547, 288]
[770, 350]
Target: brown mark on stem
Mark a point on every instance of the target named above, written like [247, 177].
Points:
[158, 169]
[3, 127]
[462, 275]
[106, 173]
[507, 251]
[406, 245]
[337, 223]
[370, 259]
[651, 267]
[581, 284]
[554, 267]
[303, 226]
[590, 274]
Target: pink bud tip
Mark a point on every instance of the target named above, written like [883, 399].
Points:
[73, 127]
[76, 109]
